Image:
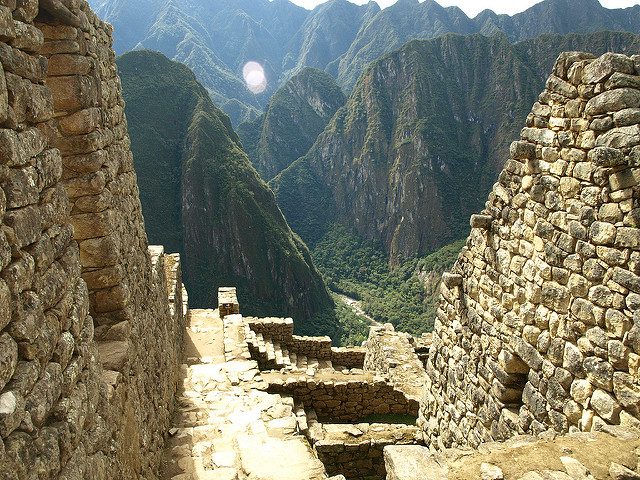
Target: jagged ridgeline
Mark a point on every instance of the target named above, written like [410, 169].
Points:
[216, 37]
[202, 197]
[421, 139]
[297, 113]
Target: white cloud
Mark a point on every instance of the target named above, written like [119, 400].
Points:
[473, 7]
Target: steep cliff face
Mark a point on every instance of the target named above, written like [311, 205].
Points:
[420, 140]
[201, 196]
[296, 115]
[327, 34]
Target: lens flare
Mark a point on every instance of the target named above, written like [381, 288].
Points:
[254, 77]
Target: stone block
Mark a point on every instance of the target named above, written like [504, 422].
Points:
[27, 38]
[620, 472]
[605, 66]
[613, 101]
[72, 93]
[5, 305]
[81, 122]
[620, 137]
[66, 64]
[402, 463]
[626, 117]
[26, 10]
[45, 394]
[8, 359]
[99, 252]
[626, 279]
[4, 97]
[626, 390]
[12, 406]
[21, 187]
[599, 373]
[522, 151]
[93, 225]
[7, 27]
[627, 237]
[26, 224]
[606, 406]
[606, 157]
[481, 221]
[22, 64]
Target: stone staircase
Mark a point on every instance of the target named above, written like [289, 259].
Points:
[272, 355]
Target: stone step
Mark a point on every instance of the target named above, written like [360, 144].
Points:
[325, 364]
[262, 346]
[302, 361]
[286, 360]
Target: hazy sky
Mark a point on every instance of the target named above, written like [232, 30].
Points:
[473, 7]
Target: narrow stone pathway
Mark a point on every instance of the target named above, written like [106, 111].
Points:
[226, 426]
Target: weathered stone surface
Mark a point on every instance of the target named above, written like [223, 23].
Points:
[613, 101]
[53, 405]
[606, 157]
[606, 406]
[620, 472]
[402, 463]
[8, 359]
[606, 65]
[622, 137]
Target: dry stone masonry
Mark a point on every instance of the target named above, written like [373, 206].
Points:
[91, 319]
[539, 321]
[538, 330]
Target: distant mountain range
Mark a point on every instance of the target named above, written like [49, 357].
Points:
[215, 38]
[424, 133]
[202, 197]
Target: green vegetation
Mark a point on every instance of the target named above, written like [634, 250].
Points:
[405, 296]
[354, 329]
[297, 113]
[202, 198]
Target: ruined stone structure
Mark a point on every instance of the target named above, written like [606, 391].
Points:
[538, 330]
[91, 319]
[539, 322]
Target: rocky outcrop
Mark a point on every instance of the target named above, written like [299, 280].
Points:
[539, 330]
[91, 322]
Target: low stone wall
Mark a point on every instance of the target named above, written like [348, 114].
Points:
[277, 329]
[348, 357]
[345, 399]
[392, 354]
[356, 451]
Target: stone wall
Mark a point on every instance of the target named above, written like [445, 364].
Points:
[392, 354]
[356, 451]
[539, 320]
[90, 319]
[343, 398]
